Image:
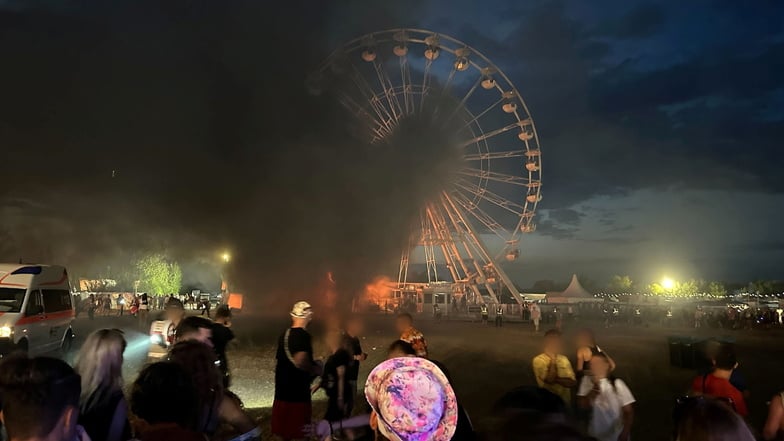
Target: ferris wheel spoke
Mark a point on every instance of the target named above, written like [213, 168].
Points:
[480, 215]
[378, 127]
[448, 82]
[408, 92]
[504, 129]
[495, 176]
[425, 83]
[489, 196]
[484, 112]
[389, 93]
[370, 95]
[464, 100]
[494, 155]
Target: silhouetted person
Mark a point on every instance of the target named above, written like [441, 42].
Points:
[40, 399]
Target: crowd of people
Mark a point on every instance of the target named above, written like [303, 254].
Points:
[733, 317]
[185, 394]
[136, 305]
[409, 396]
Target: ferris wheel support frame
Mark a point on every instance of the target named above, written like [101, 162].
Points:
[479, 270]
[451, 254]
[480, 247]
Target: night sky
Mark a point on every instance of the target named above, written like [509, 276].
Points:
[129, 126]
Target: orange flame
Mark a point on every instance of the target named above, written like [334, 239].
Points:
[379, 291]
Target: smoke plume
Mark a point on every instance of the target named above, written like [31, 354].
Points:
[135, 127]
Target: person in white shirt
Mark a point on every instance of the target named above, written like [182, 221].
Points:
[536, 315]
[610, 400]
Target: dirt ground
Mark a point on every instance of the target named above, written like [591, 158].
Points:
[486, 361]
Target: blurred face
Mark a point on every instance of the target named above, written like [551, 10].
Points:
[599, 367]
[175, 314]
[333, 341]
[552, 344]
[355, 327]
[584, 339]
[402, 324]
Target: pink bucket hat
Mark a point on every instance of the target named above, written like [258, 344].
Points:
[413, 400]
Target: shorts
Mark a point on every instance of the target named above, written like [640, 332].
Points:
[289, 418]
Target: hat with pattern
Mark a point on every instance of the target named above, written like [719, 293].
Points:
[413, 400]
[301, 310]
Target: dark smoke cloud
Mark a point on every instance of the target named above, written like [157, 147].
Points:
[185, 126]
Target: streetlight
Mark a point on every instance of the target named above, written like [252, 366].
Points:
[225, 257]
[667, 283]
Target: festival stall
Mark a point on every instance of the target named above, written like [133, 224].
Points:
[574, 293]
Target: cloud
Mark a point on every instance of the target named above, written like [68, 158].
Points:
[606, 123]
[620, 229]
[565, 216]
[641, 21]
[547, 227]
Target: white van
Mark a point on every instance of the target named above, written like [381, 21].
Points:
[36, 309]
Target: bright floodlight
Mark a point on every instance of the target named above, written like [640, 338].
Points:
[226, 257]
[668, 283]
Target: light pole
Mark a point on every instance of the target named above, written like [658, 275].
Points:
[226, 258]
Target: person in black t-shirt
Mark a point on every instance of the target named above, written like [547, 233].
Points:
[221, 336]
[335, 378]
[354, 328]
[295, 369]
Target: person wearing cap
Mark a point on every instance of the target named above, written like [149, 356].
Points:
[295, 369]
[411, 400]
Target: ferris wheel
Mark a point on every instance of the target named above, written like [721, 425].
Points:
[478, 217]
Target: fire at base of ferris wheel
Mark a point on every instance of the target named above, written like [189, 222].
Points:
[478, 218]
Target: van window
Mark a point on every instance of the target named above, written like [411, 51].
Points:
[11, 299]
[34, 305]
[56, 300]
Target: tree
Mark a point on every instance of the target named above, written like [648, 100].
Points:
[620, 284]
[687, 289]
[158, 276]
[655, 288]
[761, 287]
[717, 289]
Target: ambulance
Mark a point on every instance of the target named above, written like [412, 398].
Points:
[36, 309]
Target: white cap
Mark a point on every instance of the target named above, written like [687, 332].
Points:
[301, 310]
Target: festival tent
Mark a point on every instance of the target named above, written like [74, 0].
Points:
[574, 293]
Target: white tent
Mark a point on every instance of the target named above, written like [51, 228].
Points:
[574, 293]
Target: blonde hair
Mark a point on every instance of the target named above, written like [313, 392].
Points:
[100, 362]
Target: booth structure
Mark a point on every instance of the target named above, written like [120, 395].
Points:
[235, 301]
[574, 293]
